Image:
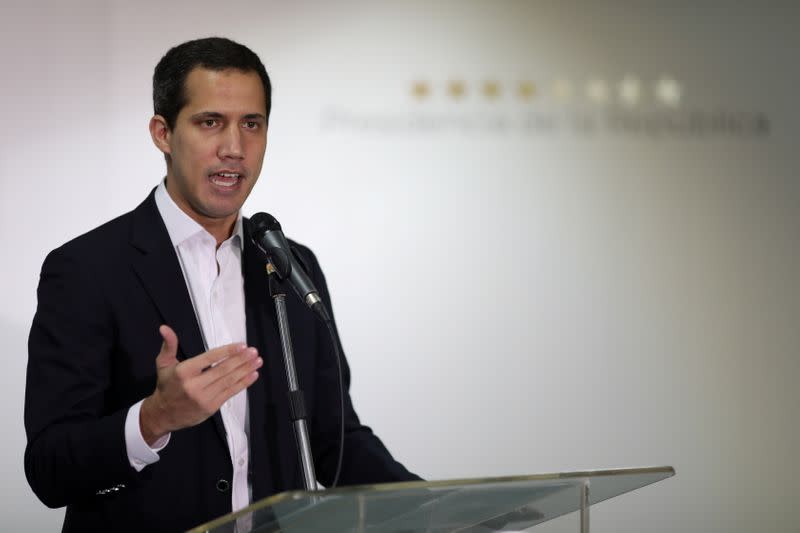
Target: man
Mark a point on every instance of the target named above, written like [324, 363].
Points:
[156, 396]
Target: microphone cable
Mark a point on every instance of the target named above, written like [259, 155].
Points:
[334, 336]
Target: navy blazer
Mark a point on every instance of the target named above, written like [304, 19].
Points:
[92, 350]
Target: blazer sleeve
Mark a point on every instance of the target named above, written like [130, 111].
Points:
[76, 443]
[366, 459]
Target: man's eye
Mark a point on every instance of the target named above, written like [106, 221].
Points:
[209, 122]
[251, 124]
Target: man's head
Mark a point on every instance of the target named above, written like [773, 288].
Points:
[212, 53]
[212, 101]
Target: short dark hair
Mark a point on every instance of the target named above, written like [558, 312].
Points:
[213, 53]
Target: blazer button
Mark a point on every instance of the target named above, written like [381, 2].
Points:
[223, 485]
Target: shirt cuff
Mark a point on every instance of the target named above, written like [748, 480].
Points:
[139, 453]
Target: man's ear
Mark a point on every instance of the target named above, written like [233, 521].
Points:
[161, 134]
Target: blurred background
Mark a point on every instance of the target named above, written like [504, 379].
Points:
[558, 235]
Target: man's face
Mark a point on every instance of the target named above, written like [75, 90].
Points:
[217, 145]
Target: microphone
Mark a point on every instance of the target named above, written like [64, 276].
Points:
[267, 234]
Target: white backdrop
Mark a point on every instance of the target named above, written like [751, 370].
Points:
[532, 269]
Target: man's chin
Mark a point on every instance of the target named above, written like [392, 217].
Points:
[216, 213]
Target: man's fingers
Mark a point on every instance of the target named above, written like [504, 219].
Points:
[234, 383]
[192, 390]
[214, 357]
[230, 368]
[167, 357]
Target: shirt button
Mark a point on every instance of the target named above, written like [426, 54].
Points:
[241, 462]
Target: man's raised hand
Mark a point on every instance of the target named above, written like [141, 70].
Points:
[190, 391]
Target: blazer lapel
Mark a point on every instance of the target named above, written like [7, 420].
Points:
[161, 275]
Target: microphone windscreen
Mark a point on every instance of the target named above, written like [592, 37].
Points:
[264, 222]
[266, 233]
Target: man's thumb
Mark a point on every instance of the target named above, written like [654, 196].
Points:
[167, 357]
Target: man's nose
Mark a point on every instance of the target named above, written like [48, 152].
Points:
[231, 146]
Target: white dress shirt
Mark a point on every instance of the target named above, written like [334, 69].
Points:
[216, 286]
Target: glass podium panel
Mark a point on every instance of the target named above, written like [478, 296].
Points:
[465, 505]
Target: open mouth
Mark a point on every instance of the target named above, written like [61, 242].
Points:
[225, 179]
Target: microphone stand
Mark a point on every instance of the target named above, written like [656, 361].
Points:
[296, 398]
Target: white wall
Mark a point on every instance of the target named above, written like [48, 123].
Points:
[559, 298]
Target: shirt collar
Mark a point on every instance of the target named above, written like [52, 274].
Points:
[181, 226]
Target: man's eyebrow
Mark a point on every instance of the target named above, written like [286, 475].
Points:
[207, 114]
[215, 114]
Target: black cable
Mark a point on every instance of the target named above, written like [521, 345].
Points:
[337, 348]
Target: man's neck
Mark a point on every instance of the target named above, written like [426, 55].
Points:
[219, 228]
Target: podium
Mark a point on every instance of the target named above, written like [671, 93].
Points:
[465, 505]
